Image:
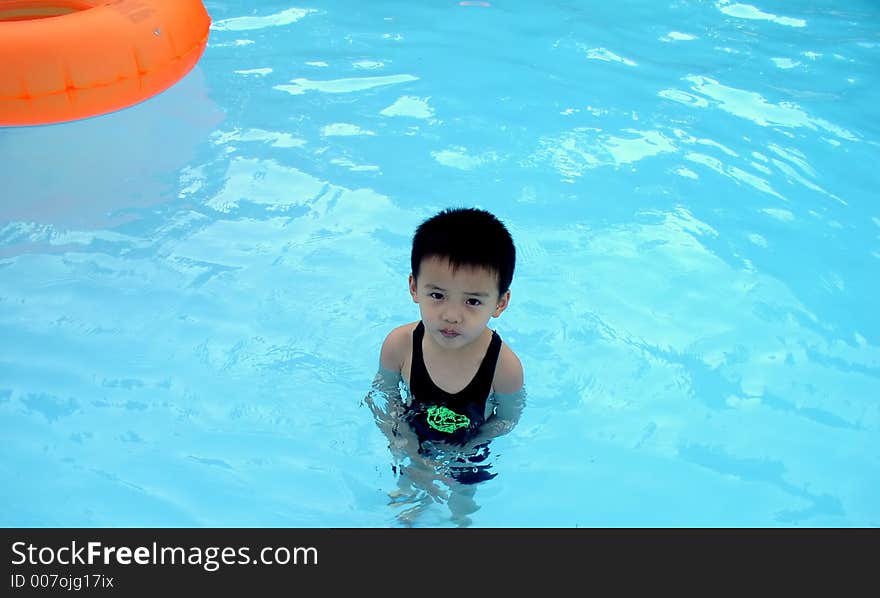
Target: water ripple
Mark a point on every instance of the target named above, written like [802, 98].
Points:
[349, 85]
[279, 19]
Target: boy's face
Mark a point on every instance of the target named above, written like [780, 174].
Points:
[456, 306]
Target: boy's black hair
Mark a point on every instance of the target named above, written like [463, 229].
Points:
[466, 237]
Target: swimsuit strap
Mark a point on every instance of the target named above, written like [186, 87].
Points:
[418, 373]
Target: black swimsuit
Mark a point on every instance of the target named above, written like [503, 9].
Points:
[437, 415]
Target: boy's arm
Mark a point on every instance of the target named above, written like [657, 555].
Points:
[508, 372]
[509, 398]
[389, 411]
[390, 364]
[386, 404]
[394, 348]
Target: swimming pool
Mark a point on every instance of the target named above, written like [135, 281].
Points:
[193, 291]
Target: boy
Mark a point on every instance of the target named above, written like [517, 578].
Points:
[462, 386]
[456, 371]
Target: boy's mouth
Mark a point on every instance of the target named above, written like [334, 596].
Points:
[446, 332]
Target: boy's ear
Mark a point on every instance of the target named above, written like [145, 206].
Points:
[414, 293]
[503, 302]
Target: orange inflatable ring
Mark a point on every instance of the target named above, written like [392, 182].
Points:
[63, 60]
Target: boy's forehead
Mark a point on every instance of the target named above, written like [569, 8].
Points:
[441, 267]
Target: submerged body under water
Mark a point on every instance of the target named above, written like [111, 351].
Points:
[428, 471]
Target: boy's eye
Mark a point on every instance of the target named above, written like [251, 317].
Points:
[474, 302]
[436, 295]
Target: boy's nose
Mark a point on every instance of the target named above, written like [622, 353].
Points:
[452, 316]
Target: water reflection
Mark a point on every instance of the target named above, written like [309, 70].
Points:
[426, 472]
[97, 173]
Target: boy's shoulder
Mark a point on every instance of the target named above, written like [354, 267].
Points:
[396, 347]
[508, 372]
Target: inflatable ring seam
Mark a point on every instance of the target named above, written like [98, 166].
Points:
[140, 74]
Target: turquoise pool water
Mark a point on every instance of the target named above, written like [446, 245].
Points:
[193, 291]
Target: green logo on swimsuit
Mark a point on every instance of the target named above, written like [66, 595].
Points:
[446, 420]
